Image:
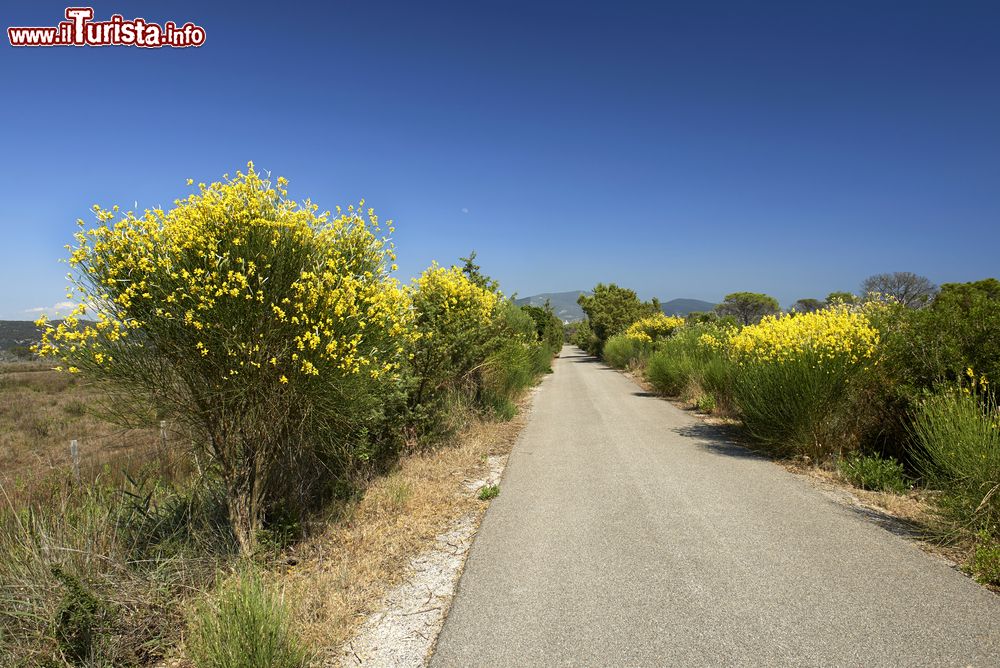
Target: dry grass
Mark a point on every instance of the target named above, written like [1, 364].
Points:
[341, 574]
[41, 410]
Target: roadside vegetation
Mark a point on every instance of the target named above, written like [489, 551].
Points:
[892, 389]
[279, 372]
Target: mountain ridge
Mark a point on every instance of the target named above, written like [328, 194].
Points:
[565, 307]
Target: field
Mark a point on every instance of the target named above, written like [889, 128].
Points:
[42, 410]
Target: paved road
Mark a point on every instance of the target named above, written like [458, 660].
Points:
[627, 532]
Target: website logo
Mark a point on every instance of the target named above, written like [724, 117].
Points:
[79, 29]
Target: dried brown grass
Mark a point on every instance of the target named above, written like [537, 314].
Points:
[41, 410]
[334, 579]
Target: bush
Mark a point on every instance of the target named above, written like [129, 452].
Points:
[692, 363]
[794, 374]
[985, 563]
[873, 473]
[621, 351]
[548, 328]
[653, 328]
[670, 373]
[706, 403]
[505, 374]
[960, 455]
[244, 625]
[585, 339]
[79, 620]
[610, 310]
[265, 326]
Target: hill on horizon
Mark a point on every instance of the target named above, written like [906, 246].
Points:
[563, 303]
[683, 306]
[565, 307]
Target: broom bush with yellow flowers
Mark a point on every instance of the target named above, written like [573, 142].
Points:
[794, 375]
[471, 348]
[271, 330]
[635, 344]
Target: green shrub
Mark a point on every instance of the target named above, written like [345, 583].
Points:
[795, 407]
[548, 328]
[985, 562]
[669, 372]
[706, 403]
[960, 455]
[873, 473]
[585, 339]
[621, 352]
[244, 625]
[506, 373]
[682, 365]
[79, 620]
[610, 310]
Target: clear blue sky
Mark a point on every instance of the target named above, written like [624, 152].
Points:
[682, 149]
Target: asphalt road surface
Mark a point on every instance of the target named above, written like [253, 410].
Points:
[628, 532]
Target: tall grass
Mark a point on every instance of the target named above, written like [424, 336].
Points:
[683, 366]
[508, 371]
[795, 407]
[959, 437]
[96, 576]
[245, 624]
[622, 352]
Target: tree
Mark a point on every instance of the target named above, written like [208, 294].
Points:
[548, 328]
[965, 294]
[841, 298]
[611, 309]
[748, 307]
[475, 274]
[909, 289]
[807, 305]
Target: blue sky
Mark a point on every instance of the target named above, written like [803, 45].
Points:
[682, 149]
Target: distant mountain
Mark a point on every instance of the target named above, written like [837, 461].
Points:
[16, 336]
[565, 307]
[685, 306]
[563, 304]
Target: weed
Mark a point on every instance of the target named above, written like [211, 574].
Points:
[487, 492]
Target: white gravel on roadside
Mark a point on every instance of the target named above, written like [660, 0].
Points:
[403, 632]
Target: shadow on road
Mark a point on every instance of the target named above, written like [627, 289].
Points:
[718, 439]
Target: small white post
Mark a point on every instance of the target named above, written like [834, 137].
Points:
[74, 453]
[163, 437]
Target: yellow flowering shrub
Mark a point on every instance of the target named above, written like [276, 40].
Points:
[453, 319]
[834, 332]
[794, 373]
[263, 323]
[653, 328]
